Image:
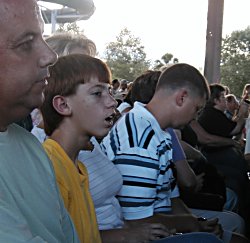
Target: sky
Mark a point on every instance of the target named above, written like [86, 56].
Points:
[164, 26]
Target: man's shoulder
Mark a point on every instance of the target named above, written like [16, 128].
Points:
[19, 135]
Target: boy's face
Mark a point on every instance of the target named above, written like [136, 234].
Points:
[93, 108]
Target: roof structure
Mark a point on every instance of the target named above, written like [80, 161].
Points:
[70, 11]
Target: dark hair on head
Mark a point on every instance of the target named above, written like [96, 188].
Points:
[65, 77]
[230, 97]
[114, 81]
[184, 75]
[144, 86]
[215, 93]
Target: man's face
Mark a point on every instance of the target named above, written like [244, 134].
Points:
[220, 103]
[24, 59]
[189, 111]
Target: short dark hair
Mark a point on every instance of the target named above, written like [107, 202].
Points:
[65, 76]
[184, 75]
[144, 86]
[215, 93]
[114, 81]
[230, 97]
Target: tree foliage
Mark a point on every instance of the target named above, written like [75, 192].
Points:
[126, 56]
[235, 60]
[69, 27]
[165, 60]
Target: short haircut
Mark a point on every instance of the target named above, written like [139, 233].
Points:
[114, 81]
[183, 75]
[65, 77]
[144, 86]
[230, 98]
[215, 93]
[63, 43]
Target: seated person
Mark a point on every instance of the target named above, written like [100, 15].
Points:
[229, 160]
[31, 208]
[67, 133]
[141, 148]
[77, 106]
[143, 90]
[232, 106]
[213, 119]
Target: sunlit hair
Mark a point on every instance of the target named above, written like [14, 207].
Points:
[230, 98]
[65, 77]
[63, 43]
[183, 75]
[143, 87]
[246, 91]
[215, 93]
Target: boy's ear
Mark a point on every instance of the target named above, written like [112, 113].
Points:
[60, 104]
[181, 97]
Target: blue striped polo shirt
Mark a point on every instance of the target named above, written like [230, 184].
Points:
[142, 152]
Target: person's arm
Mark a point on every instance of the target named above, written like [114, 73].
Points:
[240, 119]
[191, 152]
[180, 223]
[208, 139]
[13, 226]
[180, 208]
[142, 232]
[186, 178]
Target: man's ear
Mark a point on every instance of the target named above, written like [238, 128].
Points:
[181, 96]
[61, 105]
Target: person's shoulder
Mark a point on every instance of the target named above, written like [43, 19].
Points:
[19, 132]
[52, 148]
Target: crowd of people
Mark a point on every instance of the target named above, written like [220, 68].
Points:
[87, 158]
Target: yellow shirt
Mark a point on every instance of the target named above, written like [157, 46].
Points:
[74, 188]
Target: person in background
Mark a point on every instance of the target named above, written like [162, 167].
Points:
[232, 106]
[229, 160]
[247, 146]
[246, 92]
[65, 43]
[115, 86]
[31, 208]
[123, 86]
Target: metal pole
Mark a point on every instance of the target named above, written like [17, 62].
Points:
[53, 20]
[213, 40]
